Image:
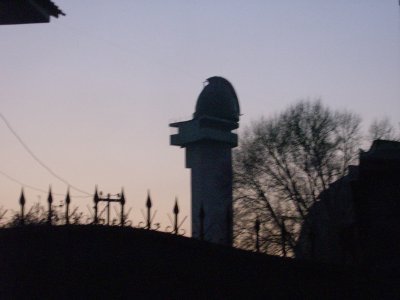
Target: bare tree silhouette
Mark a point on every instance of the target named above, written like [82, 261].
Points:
[383, 129]
[282, 165]
[38, 215]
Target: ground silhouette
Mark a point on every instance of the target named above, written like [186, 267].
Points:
[59, 262]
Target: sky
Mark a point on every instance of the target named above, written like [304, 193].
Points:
[92, 93]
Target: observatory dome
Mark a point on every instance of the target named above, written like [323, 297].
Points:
[218, 99]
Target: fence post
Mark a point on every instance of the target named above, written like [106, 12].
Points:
[202, 217]
[96, 201]
[108, 208]
[122, 201]
[22, 203]
[283, 238]
[50, 212]
[148, 205]
[67, 202]
[176, 212]
[257, 229]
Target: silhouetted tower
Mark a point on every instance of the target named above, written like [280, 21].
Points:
[208, 139]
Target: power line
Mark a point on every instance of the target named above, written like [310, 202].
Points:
[33, 187]
[39, 161]
[21, 183]
[128, 49]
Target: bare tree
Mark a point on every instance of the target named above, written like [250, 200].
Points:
[37, 215]
[383, 129]
[282, 165]
[3, 213]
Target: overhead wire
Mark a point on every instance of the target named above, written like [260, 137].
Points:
[25, 185]
[33, 155]
[38, 160]
[129, 50]
[21, 183]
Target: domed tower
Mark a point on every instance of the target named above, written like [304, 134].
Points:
[208, 139]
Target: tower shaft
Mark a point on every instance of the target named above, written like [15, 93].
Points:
[211, 181]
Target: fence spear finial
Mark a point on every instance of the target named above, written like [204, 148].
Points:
[50, 202]
[122, 201]
[148, 201]
[22, 203]
[67, 202]
[176, 207]
[176, 212]
[148, 205]
[96, 202]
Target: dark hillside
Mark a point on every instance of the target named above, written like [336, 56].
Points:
[110, 262]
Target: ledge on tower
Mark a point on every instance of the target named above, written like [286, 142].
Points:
[204, 128]
[217, 114]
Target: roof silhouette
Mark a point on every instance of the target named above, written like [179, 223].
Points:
[28, 11]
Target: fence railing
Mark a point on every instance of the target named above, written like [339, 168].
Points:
[101, 216]
[53, 216]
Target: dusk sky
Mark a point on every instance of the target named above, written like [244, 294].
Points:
[92, 93]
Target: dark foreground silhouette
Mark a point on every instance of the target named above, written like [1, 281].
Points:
[100, 262]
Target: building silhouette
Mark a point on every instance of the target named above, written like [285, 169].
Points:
[356, 220]
[208, 140]
[27, 11]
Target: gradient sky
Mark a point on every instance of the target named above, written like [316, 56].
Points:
[92, 93]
